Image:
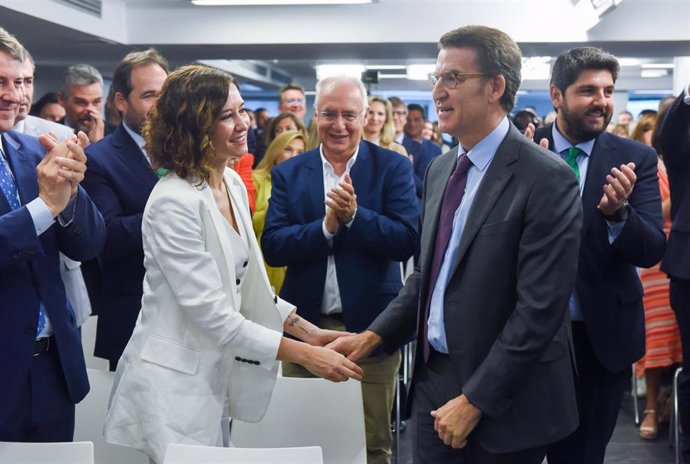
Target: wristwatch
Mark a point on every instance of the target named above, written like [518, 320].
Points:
[620, 215]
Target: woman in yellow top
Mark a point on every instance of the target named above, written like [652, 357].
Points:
[284, 146]
[378, 125]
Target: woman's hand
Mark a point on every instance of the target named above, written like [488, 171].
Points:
[323, 337]
[330, 365]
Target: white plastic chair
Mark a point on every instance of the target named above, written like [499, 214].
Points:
[46, 453]
[310, 412]
[186, 454]
[88, 342]
[90, 418]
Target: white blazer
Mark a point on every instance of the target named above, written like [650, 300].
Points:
[195, 355]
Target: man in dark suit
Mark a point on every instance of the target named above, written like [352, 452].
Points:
[493, 378]
[344, 258]
[119, 180]
[675, 147]
[414, 148]
[429, 150]
[622, 230]
[43, 211]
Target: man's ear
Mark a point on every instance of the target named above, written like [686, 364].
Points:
[556, 97]
[498, 87]
[120, 102]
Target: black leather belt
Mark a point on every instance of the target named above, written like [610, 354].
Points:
[42, 345]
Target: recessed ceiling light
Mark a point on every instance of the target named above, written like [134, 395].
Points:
[275, 2]
[653, 73]
[327, 70]
[658, 66]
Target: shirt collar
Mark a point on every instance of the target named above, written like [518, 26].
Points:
[561, 144]
[483, 152]
[19, 127]
[138, 139]
[327, 164]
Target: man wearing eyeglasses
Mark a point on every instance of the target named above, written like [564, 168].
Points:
[414, 148]
[413, 129]
[493, 376]
[292, 100]
[341, 218]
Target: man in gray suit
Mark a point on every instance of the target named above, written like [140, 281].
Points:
[501, 218]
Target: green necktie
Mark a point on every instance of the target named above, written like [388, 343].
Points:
[571, 159]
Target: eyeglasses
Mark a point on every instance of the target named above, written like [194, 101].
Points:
[295, 101]
[399, 113]
[451, 79]
[332, 116]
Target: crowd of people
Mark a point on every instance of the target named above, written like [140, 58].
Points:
[215, 242]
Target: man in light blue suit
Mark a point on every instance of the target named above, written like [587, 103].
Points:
[43, 211]
[342, 217]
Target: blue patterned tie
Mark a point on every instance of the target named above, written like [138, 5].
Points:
[9, 189]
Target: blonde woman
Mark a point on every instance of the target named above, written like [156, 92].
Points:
[378, 125]
[284, 147]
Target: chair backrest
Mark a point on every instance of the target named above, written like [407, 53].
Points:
[90, 418]
[310, 412]
[186, 454]
[88, 342]
[46, 453]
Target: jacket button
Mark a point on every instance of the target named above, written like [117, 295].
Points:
[275, 299]
[244, 264]
[257, 362]
[237, 282]
[237, 358]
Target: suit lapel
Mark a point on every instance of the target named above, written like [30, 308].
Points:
[492, 185]
[600, 164]
[23, 169]
[131, 156]
[361, 171]
[314, 170]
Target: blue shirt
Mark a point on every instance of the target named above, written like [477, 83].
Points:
[481, 156]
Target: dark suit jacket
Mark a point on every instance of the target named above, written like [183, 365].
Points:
[608, 284]
[367, 255]
[30, 274]
[675, 148]
[507, 297]
[119, 179]
[415, 149]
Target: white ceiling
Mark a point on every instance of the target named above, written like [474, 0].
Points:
[295, 38]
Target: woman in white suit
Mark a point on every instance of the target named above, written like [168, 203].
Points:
[209, 336]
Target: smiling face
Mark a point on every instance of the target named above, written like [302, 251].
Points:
[147, 81]
[462, 111]
[11, 87]
[294, 148]
[292, 101]
[339, 136]
[375, 118]
[586, 106]
[229, 133]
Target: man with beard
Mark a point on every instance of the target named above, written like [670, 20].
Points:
[120, 180]
[621, 230]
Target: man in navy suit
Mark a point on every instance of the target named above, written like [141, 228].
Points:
[414, 148]
[413, 130]
[675, 147]
[622, 230]
[119, 180]
[342, 217]
[43, 211]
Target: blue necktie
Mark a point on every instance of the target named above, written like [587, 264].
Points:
[9, 189]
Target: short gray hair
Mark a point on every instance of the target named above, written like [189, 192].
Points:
[320, 85]
[10, 45]
[80, 75]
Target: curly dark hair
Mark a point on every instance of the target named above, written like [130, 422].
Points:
[179, 125]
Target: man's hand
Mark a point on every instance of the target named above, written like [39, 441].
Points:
[358, 346]
[53, 187]
[71, 162]
[455, 420]
[331, 220]
[343, 200]
[93, 126]
[529, 133]
[618, 189]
